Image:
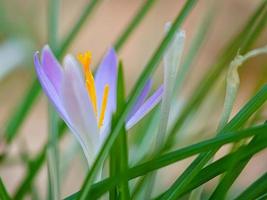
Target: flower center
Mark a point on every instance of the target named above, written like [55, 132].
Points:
[86, 60]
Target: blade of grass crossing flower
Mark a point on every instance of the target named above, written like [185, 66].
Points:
[255, 190]
[123, 188]
[119, 150]
[147, 5]
[183, 153]
[149, 69]
[3, 192]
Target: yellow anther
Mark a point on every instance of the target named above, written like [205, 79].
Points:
[85, 60]
[103, 106]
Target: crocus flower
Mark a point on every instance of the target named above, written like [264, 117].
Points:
[86, 102]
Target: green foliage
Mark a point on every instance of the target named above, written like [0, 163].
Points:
[242, 129]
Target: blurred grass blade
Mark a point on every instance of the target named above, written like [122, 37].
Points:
[52, 150]
[197, 42]
[88, 10]
[34, 167]
[148, 70]
[3, 192]
[255, 190]
[53, 157]
[147, 5]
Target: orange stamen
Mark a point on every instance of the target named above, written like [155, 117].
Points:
[85, 60]
[103, 106]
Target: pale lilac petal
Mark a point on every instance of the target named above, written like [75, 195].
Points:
[49, 88]
[107, 74]
[141, 98]
[52, 67]
[79, 108]
[150, 103]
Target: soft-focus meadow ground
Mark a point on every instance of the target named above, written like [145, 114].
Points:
[26, 20]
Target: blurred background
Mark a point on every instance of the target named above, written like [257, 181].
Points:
[23, 30]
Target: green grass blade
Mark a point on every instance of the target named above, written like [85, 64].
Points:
[21, 111]
[53, 157]
[123, 188]
[3, 192]
[52, 150]
[255, 190]
[35, 167]
[222, 165]
[148, 70]
[88, 10]
[180, 154]
[241, 117]
[147, 5]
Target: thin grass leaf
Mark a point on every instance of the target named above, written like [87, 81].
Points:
[180, 154]
[148, 70]
[3, 192]
[123, 188]
[222, 165]
[53, 157]
[197, 42]
[239, 119]
[255, 190]
[140, 14]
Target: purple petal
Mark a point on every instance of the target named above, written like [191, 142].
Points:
[150, 103]
[107, 74]
[48, 88]
[141, 98]
[51, 67]
[77, 104]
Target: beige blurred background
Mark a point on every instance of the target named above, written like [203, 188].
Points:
[26, 20]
